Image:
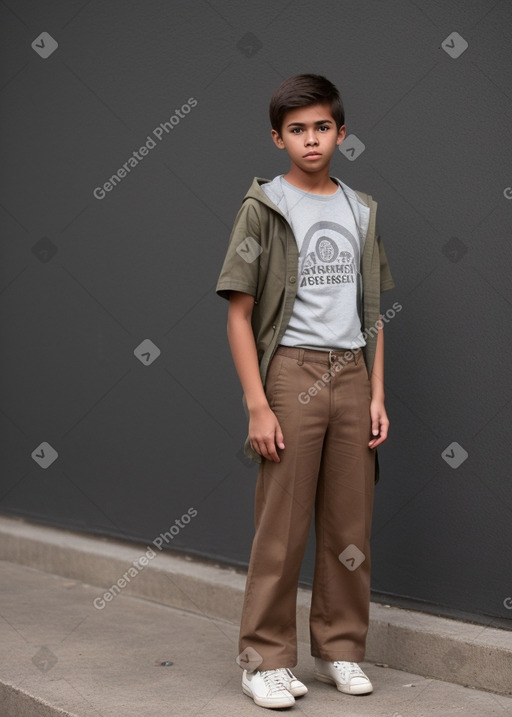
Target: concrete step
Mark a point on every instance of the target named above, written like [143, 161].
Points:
[60, 655]
[478, 656]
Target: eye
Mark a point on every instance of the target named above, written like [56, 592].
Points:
[324, 126]
[296, 130]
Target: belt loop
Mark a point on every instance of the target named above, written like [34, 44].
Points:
[300, 360]
[356, 353]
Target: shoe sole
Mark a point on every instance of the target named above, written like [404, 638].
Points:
[271, 704]
[361, 690]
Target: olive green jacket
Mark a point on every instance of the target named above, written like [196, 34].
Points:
[262, 260]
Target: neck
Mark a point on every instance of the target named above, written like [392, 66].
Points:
[313, 182]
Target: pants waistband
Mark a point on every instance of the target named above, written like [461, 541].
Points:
[327, 358]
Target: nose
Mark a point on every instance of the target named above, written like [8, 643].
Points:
[311, 138]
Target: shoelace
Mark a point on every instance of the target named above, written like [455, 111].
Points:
[275, 679]
[353, 669]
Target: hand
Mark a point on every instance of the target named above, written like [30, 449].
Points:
[380, 423]
[265, 433]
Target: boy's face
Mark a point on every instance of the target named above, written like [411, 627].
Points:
[310, 136]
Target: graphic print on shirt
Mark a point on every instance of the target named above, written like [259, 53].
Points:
[330, 255]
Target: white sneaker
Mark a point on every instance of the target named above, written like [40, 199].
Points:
[347, 676]
[292, 684]
[267, 688]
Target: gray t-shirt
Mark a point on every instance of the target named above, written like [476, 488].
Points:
[327, 309]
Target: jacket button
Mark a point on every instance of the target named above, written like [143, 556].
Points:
[293, 279]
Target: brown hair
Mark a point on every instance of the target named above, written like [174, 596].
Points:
[301, 91]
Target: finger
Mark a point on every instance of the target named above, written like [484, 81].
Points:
[279, 436]
[383, 435]
[377, 441]
[257, 446]
[270, 447]
[384, 428]
[264, 448]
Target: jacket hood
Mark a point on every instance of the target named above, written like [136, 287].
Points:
[360, 208]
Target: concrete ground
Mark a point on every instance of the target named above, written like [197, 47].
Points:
[61, 655]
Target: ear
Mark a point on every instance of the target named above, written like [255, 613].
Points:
[342, 132]
[277, 139]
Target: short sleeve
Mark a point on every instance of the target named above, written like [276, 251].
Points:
[241, 265]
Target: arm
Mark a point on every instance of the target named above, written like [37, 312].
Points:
[380, 421]
[264, 429]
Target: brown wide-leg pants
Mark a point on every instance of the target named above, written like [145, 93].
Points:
[322, 402]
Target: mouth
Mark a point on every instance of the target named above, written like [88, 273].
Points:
[312, 155]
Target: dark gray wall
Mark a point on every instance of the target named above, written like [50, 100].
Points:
[141, 438]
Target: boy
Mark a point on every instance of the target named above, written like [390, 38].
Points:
[303, 274]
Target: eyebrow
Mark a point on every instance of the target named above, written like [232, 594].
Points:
[302, 124]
